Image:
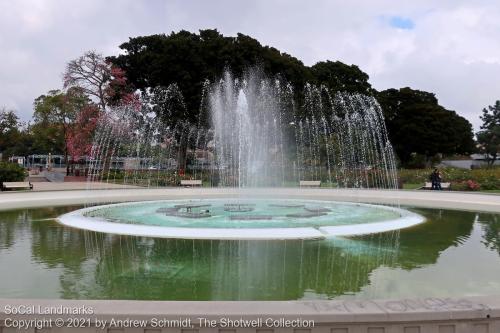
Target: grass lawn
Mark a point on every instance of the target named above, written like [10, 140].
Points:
[412, 186]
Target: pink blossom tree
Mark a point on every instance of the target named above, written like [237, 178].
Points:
[79, 138]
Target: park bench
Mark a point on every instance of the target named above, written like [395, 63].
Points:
[310, 183]
[16, 185]
[191, 182]
[444, 186]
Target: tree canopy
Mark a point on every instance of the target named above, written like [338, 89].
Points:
[489, 136]
[15, 138]
[418, 124]
[188, 59]
[55, 115]
[415, 121]
[171, 71]
[338, 76]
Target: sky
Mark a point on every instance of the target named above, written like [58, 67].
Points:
[448, 47]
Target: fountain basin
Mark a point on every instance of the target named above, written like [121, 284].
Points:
[141, 268]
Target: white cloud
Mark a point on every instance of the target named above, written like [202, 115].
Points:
[452, 48]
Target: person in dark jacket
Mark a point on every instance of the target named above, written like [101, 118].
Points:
[435, 179]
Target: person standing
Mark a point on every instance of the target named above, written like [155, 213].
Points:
[436, 180]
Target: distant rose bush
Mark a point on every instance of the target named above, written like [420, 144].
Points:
[472, 185]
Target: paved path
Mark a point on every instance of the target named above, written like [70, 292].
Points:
[430, 199]
[64, 186]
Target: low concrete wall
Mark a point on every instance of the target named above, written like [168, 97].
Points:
[467, 164]
[428, 315]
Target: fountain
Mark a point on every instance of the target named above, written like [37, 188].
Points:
[262, 139]
[250, 135]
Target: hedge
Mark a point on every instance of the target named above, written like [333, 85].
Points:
[11, 172]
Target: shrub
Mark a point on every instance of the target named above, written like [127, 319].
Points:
[417, 161]
[436, 159]
[490, 183]
[459, 186]
[11, 172]
[472, 185]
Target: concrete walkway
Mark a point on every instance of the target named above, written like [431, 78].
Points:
[65, 186]
[118, 193]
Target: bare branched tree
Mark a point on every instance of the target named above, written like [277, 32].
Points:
[90, 73]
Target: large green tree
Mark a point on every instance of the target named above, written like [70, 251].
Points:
[15, 136]
[489, 136]
[338, 76]
[418, 124]
[170, 70]
[188, 59]
[415, 120]
[54, 116]
[9, 129]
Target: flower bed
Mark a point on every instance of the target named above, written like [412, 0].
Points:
[460, 179]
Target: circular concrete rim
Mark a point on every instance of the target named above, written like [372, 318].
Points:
[464, 201]
[77, 219]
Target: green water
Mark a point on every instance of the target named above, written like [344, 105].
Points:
[453, 254]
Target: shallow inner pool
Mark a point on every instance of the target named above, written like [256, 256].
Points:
[227, 213]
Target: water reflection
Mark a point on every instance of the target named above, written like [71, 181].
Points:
[422, 244]
[80, 264]
[491, 227]
[9, 227]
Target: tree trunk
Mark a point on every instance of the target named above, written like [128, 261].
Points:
[182, 157]
[65, 133]
[492, 160]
